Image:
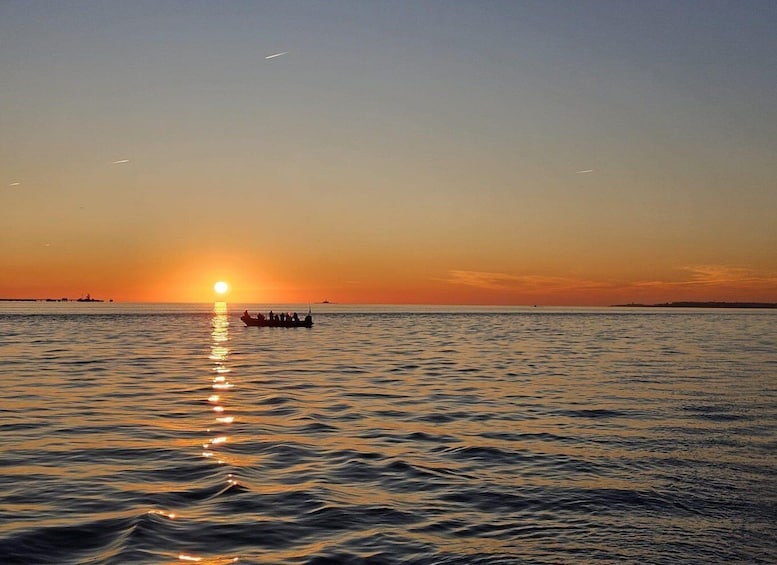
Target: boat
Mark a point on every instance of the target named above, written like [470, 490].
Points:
[275, 322]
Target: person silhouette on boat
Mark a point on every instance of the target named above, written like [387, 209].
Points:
[294, 317]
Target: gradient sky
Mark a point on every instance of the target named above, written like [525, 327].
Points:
[521, 152]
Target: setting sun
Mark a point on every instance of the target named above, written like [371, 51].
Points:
[221, 287]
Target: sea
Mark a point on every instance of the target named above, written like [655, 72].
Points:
[173, 434]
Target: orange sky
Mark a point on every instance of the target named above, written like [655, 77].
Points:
[190, 278]
[525, 154]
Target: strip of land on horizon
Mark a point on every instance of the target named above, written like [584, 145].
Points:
[702, 305]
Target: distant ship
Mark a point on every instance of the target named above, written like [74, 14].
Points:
[88, 299]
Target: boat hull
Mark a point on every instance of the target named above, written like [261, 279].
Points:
[265, 323]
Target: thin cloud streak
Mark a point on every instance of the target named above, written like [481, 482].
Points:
[276, 55]
[523, 283]
[703, 277]
[716, 276]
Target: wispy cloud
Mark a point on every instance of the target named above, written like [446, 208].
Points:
[698, 279]
[716, 276]
[274, 55]
[584, 171]
[522, 283]
[121, 161]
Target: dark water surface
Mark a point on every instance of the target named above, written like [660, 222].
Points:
[173, 434]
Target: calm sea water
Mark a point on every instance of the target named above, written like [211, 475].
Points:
[173, 434]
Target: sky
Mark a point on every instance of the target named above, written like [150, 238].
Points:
[442, 152]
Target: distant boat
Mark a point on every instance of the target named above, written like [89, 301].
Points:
[88, 299]
[288, 322]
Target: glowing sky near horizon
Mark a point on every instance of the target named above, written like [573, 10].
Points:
[589, 152]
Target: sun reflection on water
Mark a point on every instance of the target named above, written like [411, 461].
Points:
[184, 557]
[218, 410]
[218, 354]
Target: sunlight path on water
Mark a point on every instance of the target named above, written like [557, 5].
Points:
[220, 390]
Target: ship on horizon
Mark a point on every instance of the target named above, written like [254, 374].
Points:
[88, 299]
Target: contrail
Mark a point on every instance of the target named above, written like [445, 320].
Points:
[276, 55]
[120, 161]
[15, 184]
[585, 171]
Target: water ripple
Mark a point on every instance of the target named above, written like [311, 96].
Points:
[430, 438]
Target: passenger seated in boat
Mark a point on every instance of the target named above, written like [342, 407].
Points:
[308, 319]
[246, 314]
[260, 317]
[294, 317]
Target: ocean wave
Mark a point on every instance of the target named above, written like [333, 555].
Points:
[144, 438]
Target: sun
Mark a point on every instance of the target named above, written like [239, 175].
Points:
[221, 287]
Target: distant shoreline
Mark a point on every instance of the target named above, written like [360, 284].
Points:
[35, 300]
[701, 305]
[684, 304]
[52, 300]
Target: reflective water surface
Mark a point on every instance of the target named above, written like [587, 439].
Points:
[173, 434]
